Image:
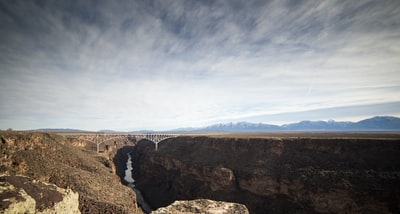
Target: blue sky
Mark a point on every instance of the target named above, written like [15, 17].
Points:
[128, 65]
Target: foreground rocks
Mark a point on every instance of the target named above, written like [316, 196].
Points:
[286, 175]
[49, 158]
[20, 194]
[203, 206]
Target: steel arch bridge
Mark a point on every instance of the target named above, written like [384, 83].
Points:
[98, 138]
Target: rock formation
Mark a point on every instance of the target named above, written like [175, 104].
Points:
[20, 194]
[203, 206]
[51, 158]
[286, 175]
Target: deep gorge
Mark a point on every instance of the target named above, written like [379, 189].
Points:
[300, 175]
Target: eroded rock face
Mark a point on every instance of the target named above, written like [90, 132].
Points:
[20, 194]
[51, 158]
[273, 175]
[203, 206]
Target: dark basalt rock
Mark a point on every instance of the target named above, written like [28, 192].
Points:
[285, 175]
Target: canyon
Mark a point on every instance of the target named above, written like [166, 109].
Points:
[49, 173]
[273, 175]
[220, 173]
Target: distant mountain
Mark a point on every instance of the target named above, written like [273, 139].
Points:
[240, 127]
[317, 125]
[59, 130]
[106, 130]
[233, 127]
[379, 123]
[144, 131]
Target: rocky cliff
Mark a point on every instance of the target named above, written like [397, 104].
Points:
[20, 194]
[203, 206]
[281, 175]
[51, 158]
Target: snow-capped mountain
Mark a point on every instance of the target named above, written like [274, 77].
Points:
[379, 123]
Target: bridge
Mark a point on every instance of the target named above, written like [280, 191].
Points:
[101, 138]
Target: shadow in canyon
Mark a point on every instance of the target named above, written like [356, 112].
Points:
[120, 159]
[288, 175]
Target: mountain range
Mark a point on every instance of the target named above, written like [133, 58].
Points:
[379, 123]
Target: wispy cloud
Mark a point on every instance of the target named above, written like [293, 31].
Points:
[164, 64]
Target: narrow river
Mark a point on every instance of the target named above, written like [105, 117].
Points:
[131, 183]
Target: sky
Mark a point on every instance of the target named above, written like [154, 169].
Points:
[144, 64]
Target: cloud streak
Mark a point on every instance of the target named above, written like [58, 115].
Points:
[165, 64]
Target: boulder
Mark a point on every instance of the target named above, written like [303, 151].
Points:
[203, 206]
[21, 194]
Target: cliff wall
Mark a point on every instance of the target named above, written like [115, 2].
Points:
[51, 158]
[285, 175]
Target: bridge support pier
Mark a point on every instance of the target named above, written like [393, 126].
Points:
[157, 138]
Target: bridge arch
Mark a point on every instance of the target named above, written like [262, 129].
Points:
[156, 138]
[99, 139]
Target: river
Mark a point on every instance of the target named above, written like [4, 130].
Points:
[131, 183]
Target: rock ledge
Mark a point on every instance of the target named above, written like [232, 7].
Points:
[203, 206]
[21, 194]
